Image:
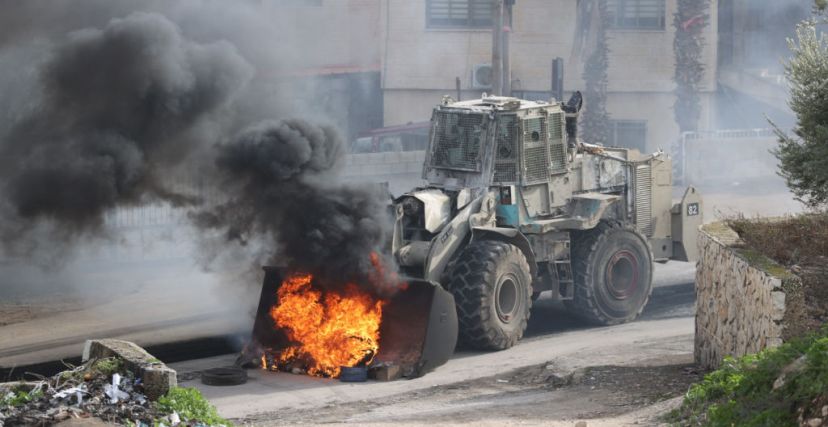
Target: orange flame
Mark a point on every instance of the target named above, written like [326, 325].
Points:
[328, 329]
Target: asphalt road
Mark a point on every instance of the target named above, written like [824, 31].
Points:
[664, 332]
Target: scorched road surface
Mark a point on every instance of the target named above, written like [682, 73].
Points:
[544, 374]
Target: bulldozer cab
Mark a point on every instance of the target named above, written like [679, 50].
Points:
[495, 141]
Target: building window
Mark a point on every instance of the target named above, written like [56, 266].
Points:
[629, 134]
[637, 14]
[459, 13]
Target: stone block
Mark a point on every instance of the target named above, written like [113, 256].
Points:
[158, 380]
[156, 377]
[778, 299]
[385, 373]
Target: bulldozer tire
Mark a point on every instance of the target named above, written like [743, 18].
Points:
[613, 269]
[492, 287]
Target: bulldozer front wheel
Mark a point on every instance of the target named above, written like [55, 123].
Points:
[492, 287]
[613, 269]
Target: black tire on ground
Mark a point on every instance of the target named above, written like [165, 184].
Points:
[613, 270]
[224, 376]
[492, 287]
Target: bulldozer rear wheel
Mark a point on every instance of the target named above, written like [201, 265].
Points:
[492, 287]
[613, 269]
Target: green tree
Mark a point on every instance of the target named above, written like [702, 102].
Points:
[803, 156]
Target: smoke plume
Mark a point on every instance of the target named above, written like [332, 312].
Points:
[122, 107]
[282, 176]
[117, 108]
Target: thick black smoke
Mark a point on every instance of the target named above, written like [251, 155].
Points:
[280, 173]
[117, 109]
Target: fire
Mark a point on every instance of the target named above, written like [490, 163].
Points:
[327, 329]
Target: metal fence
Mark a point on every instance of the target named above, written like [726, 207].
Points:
[713, 157]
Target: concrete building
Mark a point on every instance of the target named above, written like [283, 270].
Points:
[327, 61]
[427, 44]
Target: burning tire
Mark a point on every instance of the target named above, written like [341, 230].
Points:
[613, 269]
[492, 288]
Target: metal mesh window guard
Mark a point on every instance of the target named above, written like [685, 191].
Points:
[506, 156]
[557, 145]
[535, 150]
[458, 141]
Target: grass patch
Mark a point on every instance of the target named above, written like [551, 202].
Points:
[742, 392]
[191, 406]
[20, 397]
[763, 263]
[107, 366]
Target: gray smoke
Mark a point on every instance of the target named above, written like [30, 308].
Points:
[282, 174]
[117, 109]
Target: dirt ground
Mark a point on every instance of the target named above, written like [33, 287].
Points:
[605, 395]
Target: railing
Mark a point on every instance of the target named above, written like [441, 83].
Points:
[732, 154]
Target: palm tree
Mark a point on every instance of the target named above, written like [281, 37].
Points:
[689, 20]
[591, 39]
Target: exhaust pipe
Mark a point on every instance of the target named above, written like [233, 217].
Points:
[418, 331]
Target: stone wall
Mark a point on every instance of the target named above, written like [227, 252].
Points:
[744, 301]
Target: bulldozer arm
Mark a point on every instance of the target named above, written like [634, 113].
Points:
[418, 331]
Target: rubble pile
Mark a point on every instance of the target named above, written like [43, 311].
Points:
[99, 388]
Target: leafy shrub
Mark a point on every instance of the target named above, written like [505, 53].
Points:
[190, 406]
[20, 397]
[741, 392]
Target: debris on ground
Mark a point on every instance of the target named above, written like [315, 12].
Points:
[102, 389]
[156, 377]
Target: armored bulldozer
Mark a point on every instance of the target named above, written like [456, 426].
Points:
[516, 205]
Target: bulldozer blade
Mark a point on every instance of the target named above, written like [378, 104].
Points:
[418, 331]
[419, 328]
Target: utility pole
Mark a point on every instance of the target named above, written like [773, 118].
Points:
[497, 47]
[506, 57]
[501, 58]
